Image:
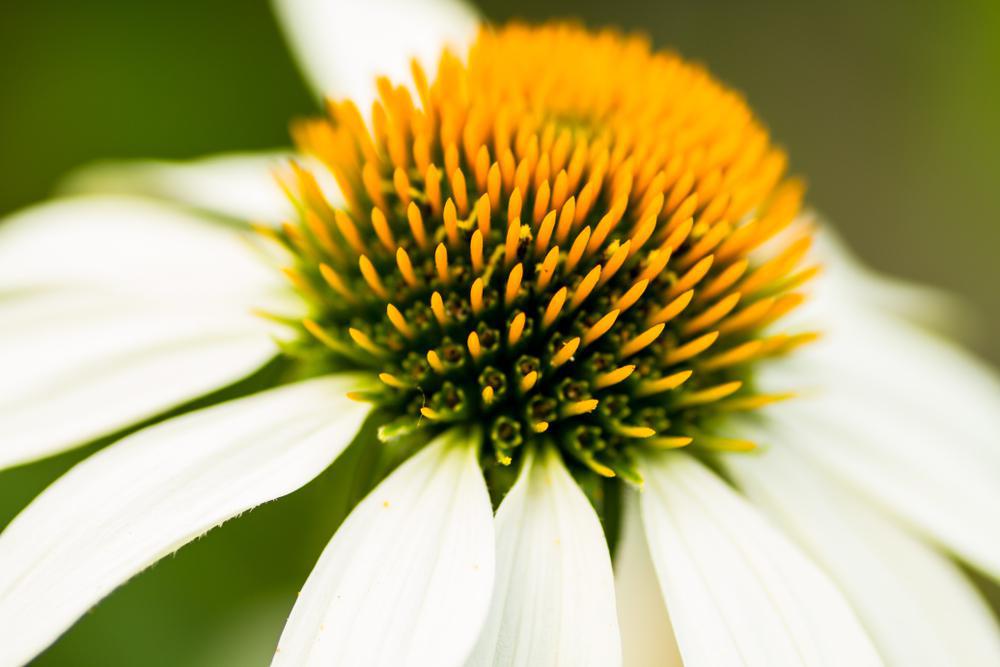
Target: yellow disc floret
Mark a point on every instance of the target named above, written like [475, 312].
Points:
[553, 238]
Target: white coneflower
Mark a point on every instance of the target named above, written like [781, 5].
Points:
[568, 277]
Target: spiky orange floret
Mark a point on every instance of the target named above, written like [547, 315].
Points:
[555, 239]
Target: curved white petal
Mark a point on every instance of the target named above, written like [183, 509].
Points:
[647, 634]
[407, 578]
[928, 476]
[738, 592]
[908, 419]
[140, 499]
[126, 245]
[78, 367]
[342, 46]
[113, 310]
[913, 376]
[554, 599]
[847, 278]
[241, 186]
[917, 605]
[868, 345]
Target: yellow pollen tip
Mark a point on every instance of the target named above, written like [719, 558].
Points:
[630, 297]
[611, 378]
[650, 387]
[392, 381]
[406, 267]
[441, 263]
[691, 348]
[334, 280]
[371, 277]
[475, 349]
[431, 414]
[416, 222]
[513, 284]
[398, 321]
[554, 308]
[476, 296]
[365, 342]
[636, 431]
[586, 287]
[672, 309]
[516, 329]
[565, 353]
[600, 328]
[437, 307]
[668, 442]
[381, 227]
[641, 341]
[579, 408]
[483, 215]
[435, 361]
[528, 381]
[711, 394]
[476, 251]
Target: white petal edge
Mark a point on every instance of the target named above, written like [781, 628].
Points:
[139, 500]
[874, 344]
[342, 46]
[848, 278]
[908, 419]
[934, 480]
[738, 591]
[647, 634]
[245, 187]
[918, 378]
[127, 245]
[78, 367]
[407, 578]
[917, 605]
[113, 310]
[554, 599]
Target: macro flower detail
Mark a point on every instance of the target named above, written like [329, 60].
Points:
[554, 257]
[629, 403]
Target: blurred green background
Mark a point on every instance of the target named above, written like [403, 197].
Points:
[891, 110]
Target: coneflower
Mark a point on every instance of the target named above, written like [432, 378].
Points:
[564, 279]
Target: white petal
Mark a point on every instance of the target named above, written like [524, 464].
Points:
[647, 635]
[113, 310]
[869, 346]
[78, 367]
[851, 280]
[935, 479]
[914, 376]
[907, 419]
[917, 605]
[343, 45]
[738, 592]
[140, 499]
[554, 598]
[241, 186]
[407, 578]
[129, 246]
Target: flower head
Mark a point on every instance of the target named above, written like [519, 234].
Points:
[554, 257]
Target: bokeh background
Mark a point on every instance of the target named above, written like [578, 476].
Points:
[891, 110]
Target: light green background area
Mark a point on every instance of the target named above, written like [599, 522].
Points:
[891, 111]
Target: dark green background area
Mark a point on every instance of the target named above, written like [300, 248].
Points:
[891, 110]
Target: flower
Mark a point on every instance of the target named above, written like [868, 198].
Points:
[566, 278]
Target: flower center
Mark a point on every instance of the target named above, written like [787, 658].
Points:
[554, 239]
